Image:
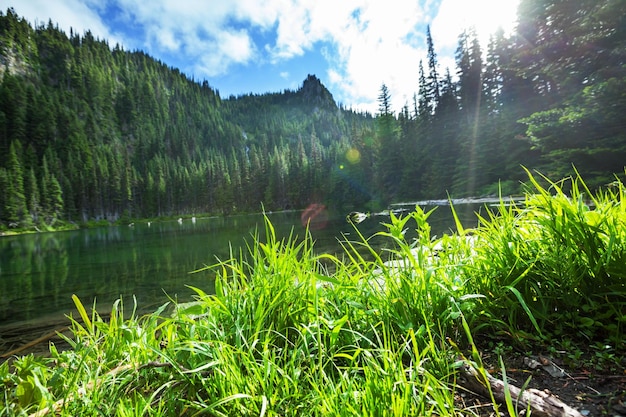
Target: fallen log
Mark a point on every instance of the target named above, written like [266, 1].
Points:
[540, 403]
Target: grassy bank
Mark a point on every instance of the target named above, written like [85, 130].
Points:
[285, 336]
[59, 226]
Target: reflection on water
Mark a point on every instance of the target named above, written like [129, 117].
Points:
[40, 272]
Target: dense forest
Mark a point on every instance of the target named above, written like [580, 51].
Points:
[91, 132]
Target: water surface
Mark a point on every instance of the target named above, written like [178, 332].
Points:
[152, 262]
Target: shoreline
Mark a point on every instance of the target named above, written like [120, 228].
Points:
[33, 337]
[91, 224]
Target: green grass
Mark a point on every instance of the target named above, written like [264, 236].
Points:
[283, 335]
[556, 265]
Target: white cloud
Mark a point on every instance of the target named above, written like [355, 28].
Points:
[485, 15]
[78, 15]
[167, 39]
[385, 44]
[216, 56]
[377, 46]
[364, 42]
[237, 44]
[201, 31]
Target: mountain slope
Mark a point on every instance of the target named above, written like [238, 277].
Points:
[123, 134]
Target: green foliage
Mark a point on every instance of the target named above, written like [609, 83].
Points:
[15, 201]
[280, 336]
[283, 335]
[124, 135]
[582, 90]
[108, 132]
[587, 133]
[560, 257]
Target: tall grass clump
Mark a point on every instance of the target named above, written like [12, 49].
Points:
[366, 333]
[555, 263]
[280, 336]
[417, 284]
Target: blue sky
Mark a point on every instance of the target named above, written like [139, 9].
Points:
[243, 46]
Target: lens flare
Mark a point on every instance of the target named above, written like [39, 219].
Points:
[315, 216]
[353, 156]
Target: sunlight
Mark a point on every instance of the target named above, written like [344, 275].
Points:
[485, 15]
[489, 15]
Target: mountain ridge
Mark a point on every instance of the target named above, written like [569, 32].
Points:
[118, 134]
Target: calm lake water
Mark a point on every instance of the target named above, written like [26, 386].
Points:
[40, 272]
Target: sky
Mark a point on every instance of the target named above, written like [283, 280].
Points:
[259, 46]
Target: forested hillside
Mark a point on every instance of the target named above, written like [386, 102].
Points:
[550, 97]
[296, 144]
[90, 131]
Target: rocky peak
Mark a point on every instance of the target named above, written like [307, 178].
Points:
[315, 93]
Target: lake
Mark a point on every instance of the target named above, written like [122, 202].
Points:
[153, 262]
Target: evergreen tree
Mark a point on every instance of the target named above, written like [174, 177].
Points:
[432, 82]
[469, 167]
[12, 113]
[55, 199]
[575, 66]
[493, 77]
[52, 194]
[469, 63]
[446, 130]
[424, 109]
[33, 195]
[388, 166]
[384, 102]
[15, 203]
[4, 185]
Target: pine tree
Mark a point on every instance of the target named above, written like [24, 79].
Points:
[56, 198]
[469, 167]
[388, 160]
[469, 62]
[384, 101]
[15, 205]
[432, 82]
[13, 108]
[424, 110]
[33, 195]
[52, 194]
[493, 77]
[574, 65]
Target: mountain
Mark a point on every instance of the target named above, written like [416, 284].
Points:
[313, 92]
[119, 134]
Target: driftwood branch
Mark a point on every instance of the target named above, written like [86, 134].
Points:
[35, 342]
[540, 403]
